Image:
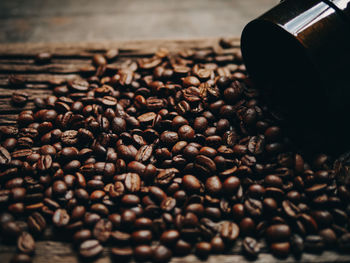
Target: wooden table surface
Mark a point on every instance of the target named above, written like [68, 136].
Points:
[90, 20]
[18, 59]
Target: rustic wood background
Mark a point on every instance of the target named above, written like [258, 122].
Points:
[91, 20]
[18, 59]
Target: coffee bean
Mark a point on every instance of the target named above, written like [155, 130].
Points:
[251, 247]
[132, 182]
[186, 132]
[203, 249]
[26, 243]
[161, 254]
[82, 235]
[60, 218]
[278, 232]
[297, 244]
[19, 98]
[5, 156]
[143, 253]
[168, 147]
[191, 183]
[213, 185]
[102, 230]
[231, 185]
[280, 249]
[205, 164]
[169, 138]
[141, 236]
[122, 253]
[90, 248]
[36, 223]
[229, 231]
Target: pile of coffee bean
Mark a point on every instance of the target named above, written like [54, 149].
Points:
[165, 156]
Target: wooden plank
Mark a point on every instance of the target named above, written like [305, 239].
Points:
[62, 252]
[40, 78]
[137, 48]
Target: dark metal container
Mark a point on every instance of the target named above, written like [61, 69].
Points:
[299, 53]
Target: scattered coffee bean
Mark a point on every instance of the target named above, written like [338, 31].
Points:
[171, 154]
[19, 98]
[90, 248]
[26, 243]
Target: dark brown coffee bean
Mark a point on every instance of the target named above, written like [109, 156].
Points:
[314, 243]
[141, 236]
[231, 185]
[5, 156]
[213, 185]
[60, 218]
[82, 235]
[161, 254]
[132, 182]
[251, 247]
[280, 249]
[143, 253]
[102, 230]
[297, 244]
[191, 183]
[203, 249]
[229, 231]
[122, 253]
[144, 153]
[19, 98]
[169, 138]
[166, 176]
[26, 243]
[278, 232]
[36, 223]
[90, 248]
[205, 164]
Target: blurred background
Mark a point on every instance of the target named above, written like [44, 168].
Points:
[97, 20]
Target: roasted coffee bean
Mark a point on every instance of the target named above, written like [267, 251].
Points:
[102, 230]
[36, 223]
[278, 232]
[141, 236]
[161, 254]
[60, 218]
[203, 249]
[132, 182]
[280, 249]
[251, 247]
[143, 253]
[314, 243]
[90, 248]
[191, 183]
[26, 243]
[19, 98]
[169, 148]
[229, 231]
[5, 156]
[122, 253]
[297, 244]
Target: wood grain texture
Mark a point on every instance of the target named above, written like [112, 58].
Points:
[18, 60]
[86, 20]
